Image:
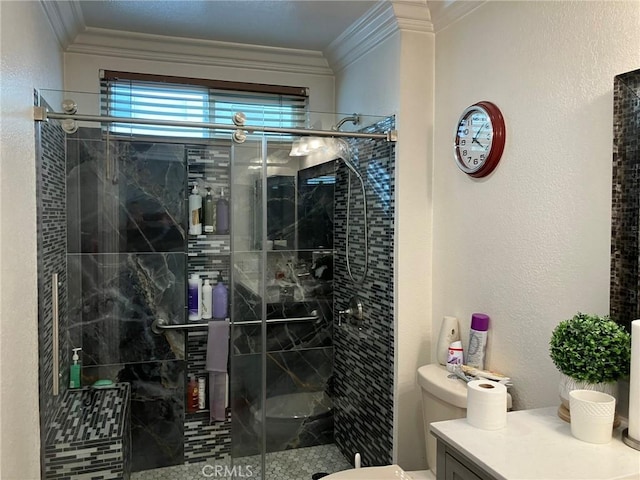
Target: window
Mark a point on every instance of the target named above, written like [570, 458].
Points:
[157, 98]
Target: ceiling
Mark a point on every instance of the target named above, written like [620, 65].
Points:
[299, 24]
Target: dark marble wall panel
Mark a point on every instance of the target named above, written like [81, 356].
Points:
[288, 372]
[114, 299]
[125, 196]
[157, 413]
[625, 211]
[364, 357]
[52, 236]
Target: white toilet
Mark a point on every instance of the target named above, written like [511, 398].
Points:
[443, 398]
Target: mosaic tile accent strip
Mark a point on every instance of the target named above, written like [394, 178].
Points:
[364, 357]
[206, 441]
[90, 435]
[52, 249]
[625, 241]
[295, 464]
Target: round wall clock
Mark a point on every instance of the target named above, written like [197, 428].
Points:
[479, 141]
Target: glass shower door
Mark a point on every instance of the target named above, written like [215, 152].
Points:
[248, 307]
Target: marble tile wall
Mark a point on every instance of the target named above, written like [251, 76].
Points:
[364, 357]
[625, 241]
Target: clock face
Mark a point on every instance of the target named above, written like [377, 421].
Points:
[479, 139]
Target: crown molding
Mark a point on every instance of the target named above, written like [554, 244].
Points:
[447, 12]
[113, 43]
[375, 26]
[412, 15]
[65, 18]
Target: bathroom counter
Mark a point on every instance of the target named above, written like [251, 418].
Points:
[535, 445]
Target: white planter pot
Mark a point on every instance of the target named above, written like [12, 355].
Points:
[567, 384]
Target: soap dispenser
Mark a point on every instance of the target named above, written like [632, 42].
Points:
[74, 370]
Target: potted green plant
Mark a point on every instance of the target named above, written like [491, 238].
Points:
[592, 352]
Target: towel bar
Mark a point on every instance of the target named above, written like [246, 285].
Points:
[160, 325]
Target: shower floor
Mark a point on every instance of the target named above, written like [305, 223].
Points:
[295, 464]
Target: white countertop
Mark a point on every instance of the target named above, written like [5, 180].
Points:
[537, 445]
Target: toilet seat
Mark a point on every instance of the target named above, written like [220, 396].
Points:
[388, 472]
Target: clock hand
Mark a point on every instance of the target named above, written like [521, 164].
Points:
[478, 133]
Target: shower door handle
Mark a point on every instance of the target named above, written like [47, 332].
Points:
[56, 335]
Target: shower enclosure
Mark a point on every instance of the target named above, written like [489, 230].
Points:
[308, 264]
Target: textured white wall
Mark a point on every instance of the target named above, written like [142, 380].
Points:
[529, 245]
[30, 59]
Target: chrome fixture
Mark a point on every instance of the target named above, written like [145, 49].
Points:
[339, 149]
[355, 312]
[355, 119]
[41, 114]
[69, 106]
[55, 340]
[239, 118]
[160, 325]
[239, 136]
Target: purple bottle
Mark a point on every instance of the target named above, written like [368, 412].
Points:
[222, 215]
[220, 299]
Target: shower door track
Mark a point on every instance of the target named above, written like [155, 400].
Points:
[41, 114]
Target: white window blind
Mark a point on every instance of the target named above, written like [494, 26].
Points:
[175, 99]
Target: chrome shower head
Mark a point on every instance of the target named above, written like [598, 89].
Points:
[355, 119]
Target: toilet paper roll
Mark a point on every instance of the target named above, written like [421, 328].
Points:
[486, 404]
[634, 382]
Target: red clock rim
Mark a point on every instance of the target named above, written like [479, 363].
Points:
[497, 145]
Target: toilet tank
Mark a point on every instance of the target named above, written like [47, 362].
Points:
[443, 398]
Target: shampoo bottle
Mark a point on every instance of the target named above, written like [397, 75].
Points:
[209, 213]
[477, 340]
[195, 297]
[195, 212]
[220, 299]
[74, 370]
[207, 300]
[222, 215]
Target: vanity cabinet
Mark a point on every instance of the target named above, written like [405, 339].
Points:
[453, 465]
[534, 444]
